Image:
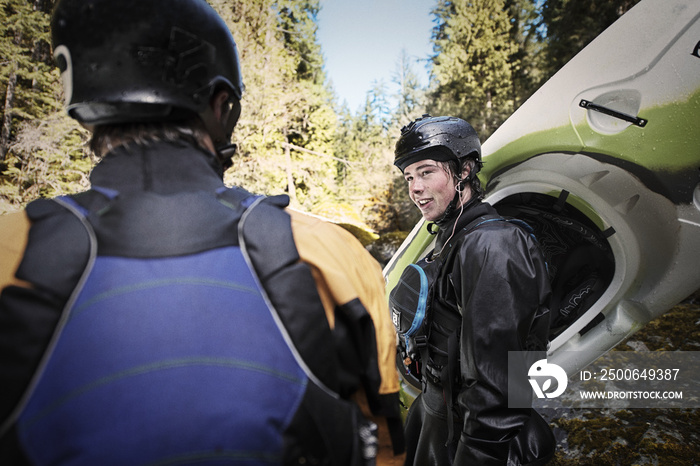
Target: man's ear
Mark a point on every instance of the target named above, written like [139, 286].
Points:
[226, 111]
[234, 113]
[219, 103]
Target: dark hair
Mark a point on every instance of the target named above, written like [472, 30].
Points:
[456, 167]
[106, 138]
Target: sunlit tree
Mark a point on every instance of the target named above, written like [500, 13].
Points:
[471, 75]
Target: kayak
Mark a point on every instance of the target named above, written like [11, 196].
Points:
[603, 161]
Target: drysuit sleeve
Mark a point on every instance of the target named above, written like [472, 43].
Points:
[350, 281]
[500, 289]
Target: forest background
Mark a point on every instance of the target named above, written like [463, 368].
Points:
[294, 137]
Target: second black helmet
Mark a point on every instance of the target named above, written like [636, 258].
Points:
[438, 138]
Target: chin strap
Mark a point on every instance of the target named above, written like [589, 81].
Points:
[220, 129]
[446, 216]
[451, 207]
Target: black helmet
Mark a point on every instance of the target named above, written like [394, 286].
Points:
[142, 60]
[438, 138]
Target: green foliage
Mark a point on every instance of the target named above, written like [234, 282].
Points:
[293, 137]
[27, 84]
[527, 60]
[40, 150]
[287, 118]
[363, 167]
[571, 24]
[411, 96]
[471, 71]
[49, 158]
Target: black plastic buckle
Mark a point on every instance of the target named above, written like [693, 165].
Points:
[421, 341]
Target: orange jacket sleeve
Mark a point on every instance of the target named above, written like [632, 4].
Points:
[344, 270]
[14, 229]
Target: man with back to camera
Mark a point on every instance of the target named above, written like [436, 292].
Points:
[161, 317]
[488, 295]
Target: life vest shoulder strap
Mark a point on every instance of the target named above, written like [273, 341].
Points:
[265, 234]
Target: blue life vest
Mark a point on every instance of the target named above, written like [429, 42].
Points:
[179, 360]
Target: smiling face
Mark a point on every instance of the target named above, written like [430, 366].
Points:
[431, 187]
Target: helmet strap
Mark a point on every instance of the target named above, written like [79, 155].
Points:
[449, 210]
[452, 207]
[220, 123]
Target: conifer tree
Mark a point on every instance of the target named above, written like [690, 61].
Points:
[569, 25]
[25, 79]
[291, 137]
[288, 118]
[49, 157]
[43, 150]
[410, 97]
[471, 74]
[526, 62]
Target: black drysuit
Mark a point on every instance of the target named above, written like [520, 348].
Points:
[494, 286]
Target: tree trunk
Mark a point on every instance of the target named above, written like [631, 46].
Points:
[7, 116]
[290, 178]
[9, 103]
